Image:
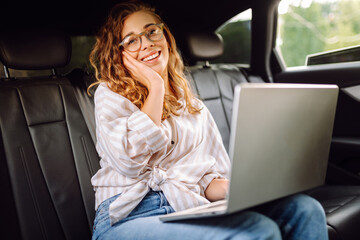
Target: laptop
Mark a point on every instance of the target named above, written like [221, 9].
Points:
[279, 145]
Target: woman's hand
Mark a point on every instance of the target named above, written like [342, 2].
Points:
[153, 104]
[217, 189]
[142, 73]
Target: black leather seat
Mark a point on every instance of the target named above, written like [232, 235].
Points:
[342, 208]
[215, 85]
[47, 154]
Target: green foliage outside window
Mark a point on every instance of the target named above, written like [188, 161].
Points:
[310, 27]
[81, 48]
[236, 39]
[236, 35]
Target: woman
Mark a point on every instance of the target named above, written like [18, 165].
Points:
[160, 148]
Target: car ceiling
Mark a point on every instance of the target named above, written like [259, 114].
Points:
[84, 17]
[80, 17]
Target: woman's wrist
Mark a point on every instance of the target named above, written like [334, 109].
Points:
[156, 88]
[153, 104]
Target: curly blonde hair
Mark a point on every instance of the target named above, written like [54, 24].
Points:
[105, 60]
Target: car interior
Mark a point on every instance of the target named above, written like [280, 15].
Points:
[47, 125]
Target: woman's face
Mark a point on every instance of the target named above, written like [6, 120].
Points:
[153, 54]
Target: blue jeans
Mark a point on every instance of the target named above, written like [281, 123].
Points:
[295, 217]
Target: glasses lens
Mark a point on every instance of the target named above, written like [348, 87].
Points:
[154, 32]
[132, 43]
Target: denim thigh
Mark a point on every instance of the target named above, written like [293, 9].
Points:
[154, 203]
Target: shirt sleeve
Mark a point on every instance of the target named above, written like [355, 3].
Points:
[126, 136]
[221, 168]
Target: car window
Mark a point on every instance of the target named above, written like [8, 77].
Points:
[81, 48]
[236, 35]
[314, 32]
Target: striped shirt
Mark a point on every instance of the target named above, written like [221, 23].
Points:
[180, 157]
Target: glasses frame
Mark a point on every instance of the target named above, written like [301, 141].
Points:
[160, 25]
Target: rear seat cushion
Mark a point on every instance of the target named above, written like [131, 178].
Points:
[46, 147]
[214, 86]
[342, 208]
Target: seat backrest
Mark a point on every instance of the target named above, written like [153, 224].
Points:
[214, 83]
[47, 154]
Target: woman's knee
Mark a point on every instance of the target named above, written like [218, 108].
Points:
[299, 217]
[308, 206]
[260, 226]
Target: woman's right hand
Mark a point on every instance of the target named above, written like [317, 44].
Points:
[153, 105]
[142, 73]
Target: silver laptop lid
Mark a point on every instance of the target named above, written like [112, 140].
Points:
[280, 140]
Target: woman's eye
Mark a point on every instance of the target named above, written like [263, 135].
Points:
[152, 31]
[131, 41]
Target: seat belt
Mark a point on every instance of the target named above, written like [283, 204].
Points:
[80, 82]
[87, 110]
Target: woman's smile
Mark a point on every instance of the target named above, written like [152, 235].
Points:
[152, 57]
[154, 54]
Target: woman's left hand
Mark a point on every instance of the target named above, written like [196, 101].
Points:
[217, 189]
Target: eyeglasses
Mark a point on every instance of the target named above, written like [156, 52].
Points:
[153, 32]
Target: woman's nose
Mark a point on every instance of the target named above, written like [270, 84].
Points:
[145, 43]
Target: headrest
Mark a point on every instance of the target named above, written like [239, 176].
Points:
[34, 50]
[204, 46]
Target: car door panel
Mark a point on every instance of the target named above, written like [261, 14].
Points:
[344, 161]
